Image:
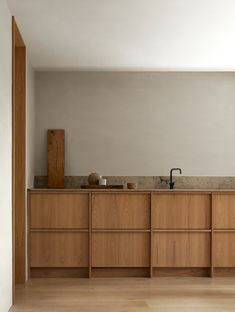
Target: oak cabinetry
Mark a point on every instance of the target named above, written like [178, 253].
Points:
[181, 250]
[120, 211]
[224, 249]
[224, 230]
[59, 249]
[181, 211]
[59, 231]
[181, 230]
[120, 250]
[58, 210]
[120, 230]
[224, 211]
[131, 233]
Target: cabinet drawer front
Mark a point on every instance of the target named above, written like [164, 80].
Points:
[224, 250]
[59, 249]
[181, 211]
[59, 211]
[224, 211]
[120, 249]
[181, 250]
[121, 211]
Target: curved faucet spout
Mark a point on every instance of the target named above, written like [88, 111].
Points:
[171, 184]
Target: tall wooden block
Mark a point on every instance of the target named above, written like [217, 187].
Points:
[55, 158]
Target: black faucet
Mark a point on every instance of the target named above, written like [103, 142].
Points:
[171, 181]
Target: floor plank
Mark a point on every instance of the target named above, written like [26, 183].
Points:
[126, 295]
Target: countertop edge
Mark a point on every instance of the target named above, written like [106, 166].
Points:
[77, 190]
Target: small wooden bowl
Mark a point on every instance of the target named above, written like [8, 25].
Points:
[131, 185]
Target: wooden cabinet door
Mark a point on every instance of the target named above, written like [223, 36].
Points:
[224, 249]
[223, 219]
[120, 249]
[59, 210]
[181, 211]
[224, 211]
[59, 249]
[181, 250]
[121, 211]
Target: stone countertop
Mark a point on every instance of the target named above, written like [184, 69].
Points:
[132, 190]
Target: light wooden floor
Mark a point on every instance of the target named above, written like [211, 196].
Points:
[127, 295]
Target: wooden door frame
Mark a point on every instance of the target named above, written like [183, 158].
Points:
[18, 156]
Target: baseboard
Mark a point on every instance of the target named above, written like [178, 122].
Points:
[120, 272]
[59, 272]
[224, 272]
[130, 272]
[180, 272]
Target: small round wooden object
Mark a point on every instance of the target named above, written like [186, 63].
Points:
[131, 185]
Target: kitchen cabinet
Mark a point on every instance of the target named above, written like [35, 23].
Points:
[120, 211]
[130, 233]
[59, 232]
[59, 249]
[181, 249]
[181, 211]
[224, 230]
[120, 249]
[59, 211]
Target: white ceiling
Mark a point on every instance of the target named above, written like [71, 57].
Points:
[128, 34]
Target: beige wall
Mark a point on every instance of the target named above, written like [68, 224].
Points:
[134, 123]
[5, 160]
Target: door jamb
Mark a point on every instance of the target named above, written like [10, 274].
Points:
[18, 158]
